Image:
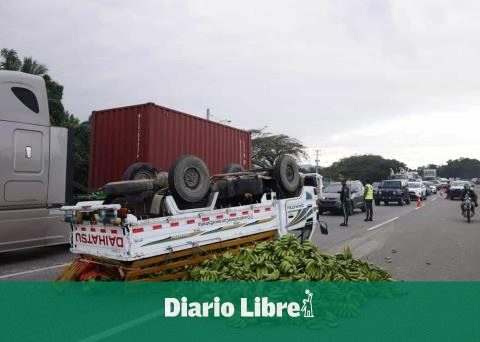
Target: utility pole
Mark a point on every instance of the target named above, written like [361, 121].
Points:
[208, 114]
[317, 161]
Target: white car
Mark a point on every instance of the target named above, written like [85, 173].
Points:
[431, 186]
[417, 189]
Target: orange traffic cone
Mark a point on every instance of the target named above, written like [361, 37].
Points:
[419, 201]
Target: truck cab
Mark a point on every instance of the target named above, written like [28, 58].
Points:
[33, 176]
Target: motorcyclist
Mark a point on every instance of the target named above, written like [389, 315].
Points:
[473, 196]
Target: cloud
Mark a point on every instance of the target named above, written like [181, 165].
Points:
[336, 74]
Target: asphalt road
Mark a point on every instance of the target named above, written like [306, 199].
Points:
[431, 243]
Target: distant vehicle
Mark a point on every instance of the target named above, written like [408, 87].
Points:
[431, 187]
[407, 175]
[417, 189]
[429, 174]
[456, 188]
[393, 190]
[314, 180]
[36, 165]
[375, 186]
[330, 199]
[436, 183]
[475, 180]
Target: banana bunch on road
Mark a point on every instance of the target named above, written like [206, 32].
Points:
[287, 259]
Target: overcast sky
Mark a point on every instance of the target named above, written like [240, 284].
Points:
[395, 78]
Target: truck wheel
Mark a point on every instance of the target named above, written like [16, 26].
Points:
[140, 171]
[233, 168]
[189, 179]
[287, 174]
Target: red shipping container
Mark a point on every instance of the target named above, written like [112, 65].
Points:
[159, 135]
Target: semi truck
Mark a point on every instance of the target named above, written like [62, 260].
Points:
[36, 165]
[429, 174]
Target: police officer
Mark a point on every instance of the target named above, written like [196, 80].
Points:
[345, 199]
[368, 197]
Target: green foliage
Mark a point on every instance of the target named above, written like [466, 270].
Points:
[266, 147]
[462, 168]
[30, 66]
[58, 115]
[366, 167]
[10, 60]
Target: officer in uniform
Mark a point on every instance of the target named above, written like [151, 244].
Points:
[345, 199]
[368, 197]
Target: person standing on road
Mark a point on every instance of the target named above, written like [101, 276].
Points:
[345, 200]
[368, 197]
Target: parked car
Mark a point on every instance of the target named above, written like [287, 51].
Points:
[417, 189]
[375, 186]
[330, 200]
[393, 190]
[456, 188]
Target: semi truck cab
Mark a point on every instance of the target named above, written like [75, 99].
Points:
[35, 165]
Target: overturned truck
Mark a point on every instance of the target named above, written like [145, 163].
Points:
[153, 224]
[144, 188]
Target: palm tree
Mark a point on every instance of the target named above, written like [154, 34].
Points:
[30, 66]
[11, 60]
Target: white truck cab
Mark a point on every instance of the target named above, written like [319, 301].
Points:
[35, 165]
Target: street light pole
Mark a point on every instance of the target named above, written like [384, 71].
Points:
[317, 152]
[208, 114]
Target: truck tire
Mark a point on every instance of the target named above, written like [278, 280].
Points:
[233, 168]
[140, 171]
[287, 174]
[189, 179]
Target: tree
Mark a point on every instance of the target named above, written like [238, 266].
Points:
[366, 167]
[266, 147]
[10, 60]
[462, 168]
[30, 66]
[58, 115]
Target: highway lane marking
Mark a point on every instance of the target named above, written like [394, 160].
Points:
[5, 276]
[125, 326]
[382, 224]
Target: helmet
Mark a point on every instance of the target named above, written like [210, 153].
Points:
[466, 186]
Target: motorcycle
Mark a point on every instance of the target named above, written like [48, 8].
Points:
[468, 210]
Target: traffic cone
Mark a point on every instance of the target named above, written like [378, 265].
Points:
[419, 201]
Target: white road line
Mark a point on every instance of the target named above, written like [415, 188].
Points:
[381, 224]
[125, 326]
[5, 276]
